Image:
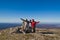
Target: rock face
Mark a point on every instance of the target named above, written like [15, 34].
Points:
[41, 34]
[13, 29]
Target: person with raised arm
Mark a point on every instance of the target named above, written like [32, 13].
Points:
[25, 24]
[33, 25]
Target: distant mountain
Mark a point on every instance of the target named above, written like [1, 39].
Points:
[8, 25]
[48, 26]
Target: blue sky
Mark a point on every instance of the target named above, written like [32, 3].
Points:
[45, 11]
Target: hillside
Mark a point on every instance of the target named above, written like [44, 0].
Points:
[41, 34]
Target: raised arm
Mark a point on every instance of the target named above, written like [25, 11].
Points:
[38, 22]
[22, 19]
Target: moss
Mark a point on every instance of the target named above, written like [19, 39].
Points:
[5, 35]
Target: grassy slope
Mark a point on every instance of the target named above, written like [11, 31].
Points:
[5, 35]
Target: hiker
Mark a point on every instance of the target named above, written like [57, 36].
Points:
[33, 25]
[25, 24]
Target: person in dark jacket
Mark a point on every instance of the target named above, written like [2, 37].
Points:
[25, 24]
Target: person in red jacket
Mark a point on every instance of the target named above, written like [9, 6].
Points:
[33, 25]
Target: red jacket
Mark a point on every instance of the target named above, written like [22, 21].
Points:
[33, 24]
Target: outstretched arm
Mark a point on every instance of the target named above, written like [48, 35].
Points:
[22, 19]
[38, 22]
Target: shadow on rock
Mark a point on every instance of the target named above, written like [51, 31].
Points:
[47, 32]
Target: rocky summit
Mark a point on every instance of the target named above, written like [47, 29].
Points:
[41, 34]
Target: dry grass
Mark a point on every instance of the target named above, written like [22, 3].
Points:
[41, 34]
